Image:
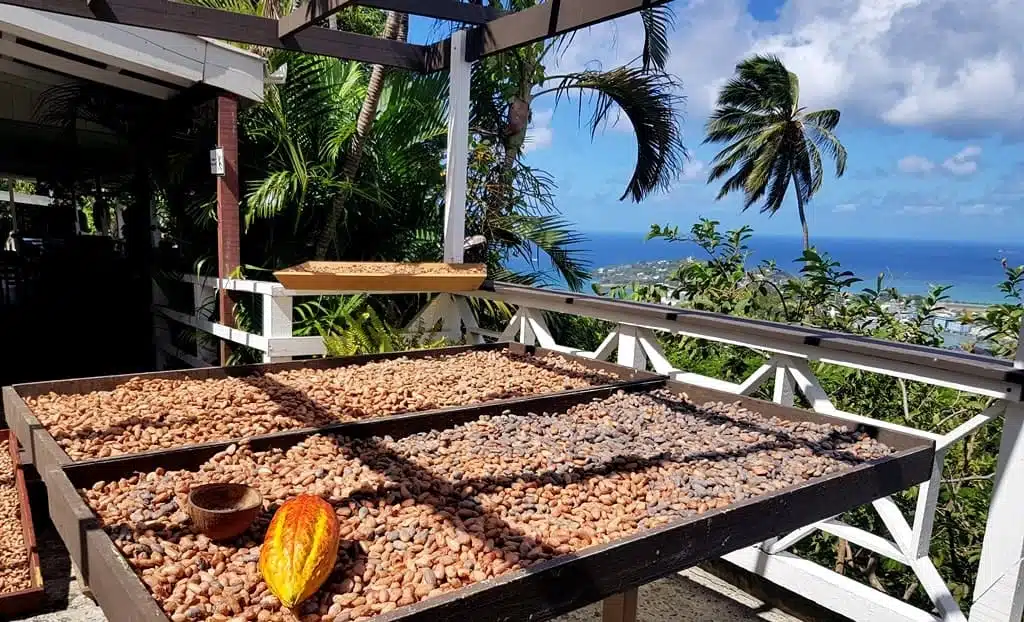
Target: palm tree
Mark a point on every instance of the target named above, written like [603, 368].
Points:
[507, 86]
[771, 140]
[396, 28]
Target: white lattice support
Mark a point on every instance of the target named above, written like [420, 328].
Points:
[427, 317]
[539, 326]
[656, 355]
[756, 379]
[526, 334]
[811, 389]
[970, 426]
[829, 589]
[778, 545]
[459, 101]
[924, 513]
[894, 521]
[474, 334]
[999, 588]
[630, 349]
[608, 345]
[928, 492]
[935, 586]
[514, 327]
[864, 539]
[204, 297]
[542, 333]
[783, 392]
[441, 310]
[277, 323]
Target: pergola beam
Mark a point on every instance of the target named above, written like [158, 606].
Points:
[312, 11]
[450, 10]
[308, 13]
[229, 26]
[543, 21]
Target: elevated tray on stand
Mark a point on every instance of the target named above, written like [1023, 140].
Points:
[382, 276]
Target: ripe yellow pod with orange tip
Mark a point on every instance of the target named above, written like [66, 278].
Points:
[300, 549]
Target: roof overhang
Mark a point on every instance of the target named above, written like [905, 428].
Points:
[52, 47]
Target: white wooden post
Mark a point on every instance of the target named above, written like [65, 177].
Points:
[631, 349]
[999, 588]
[784, 389]
[458, 150]
[277, 322]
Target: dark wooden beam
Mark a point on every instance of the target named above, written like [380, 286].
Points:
[553, 18]
[307, 14]
[451, 10]
[254, 30]
[312, 11]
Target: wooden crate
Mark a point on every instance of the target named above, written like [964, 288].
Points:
[383, 277]
[27, 600]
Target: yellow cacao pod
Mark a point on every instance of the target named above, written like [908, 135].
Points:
[300, 549]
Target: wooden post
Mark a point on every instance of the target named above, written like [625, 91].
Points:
[458, 151]
[229, 230]
[621, 607]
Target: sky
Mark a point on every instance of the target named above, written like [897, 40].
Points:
[932, 102]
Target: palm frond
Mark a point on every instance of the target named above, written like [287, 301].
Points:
[550, 234]
[657, 24]
[651, 102]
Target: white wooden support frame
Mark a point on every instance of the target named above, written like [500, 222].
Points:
[277, 324]
[459, 78]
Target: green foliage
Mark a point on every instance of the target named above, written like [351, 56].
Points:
[1000, 323]
[823, 294]
[349, 326]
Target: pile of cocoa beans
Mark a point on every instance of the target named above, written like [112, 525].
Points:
[149, 413]
[430, 513]
[14, 566]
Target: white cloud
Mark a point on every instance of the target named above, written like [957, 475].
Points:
[982, 209]
[963, 163]
[845, 207]
[907, 63]
[915, 164]
[920, 210]
[539, 135]
[694, 170]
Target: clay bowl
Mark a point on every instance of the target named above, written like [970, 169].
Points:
[223, 511]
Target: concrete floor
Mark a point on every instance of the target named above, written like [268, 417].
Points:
[692, 596]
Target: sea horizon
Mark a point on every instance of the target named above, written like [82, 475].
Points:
[971, 268]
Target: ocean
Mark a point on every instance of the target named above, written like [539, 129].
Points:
[972, 268]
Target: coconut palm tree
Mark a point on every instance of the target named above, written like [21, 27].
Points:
[396, 28]
[507, 87]
[772, 142]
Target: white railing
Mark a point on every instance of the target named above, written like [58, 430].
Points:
[999, 592]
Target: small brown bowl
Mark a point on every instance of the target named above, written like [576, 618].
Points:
[223, 511]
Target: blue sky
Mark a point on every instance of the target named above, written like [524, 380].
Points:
[932, 98]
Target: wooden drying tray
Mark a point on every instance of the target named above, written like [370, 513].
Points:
[28, 600]
[383, 277]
